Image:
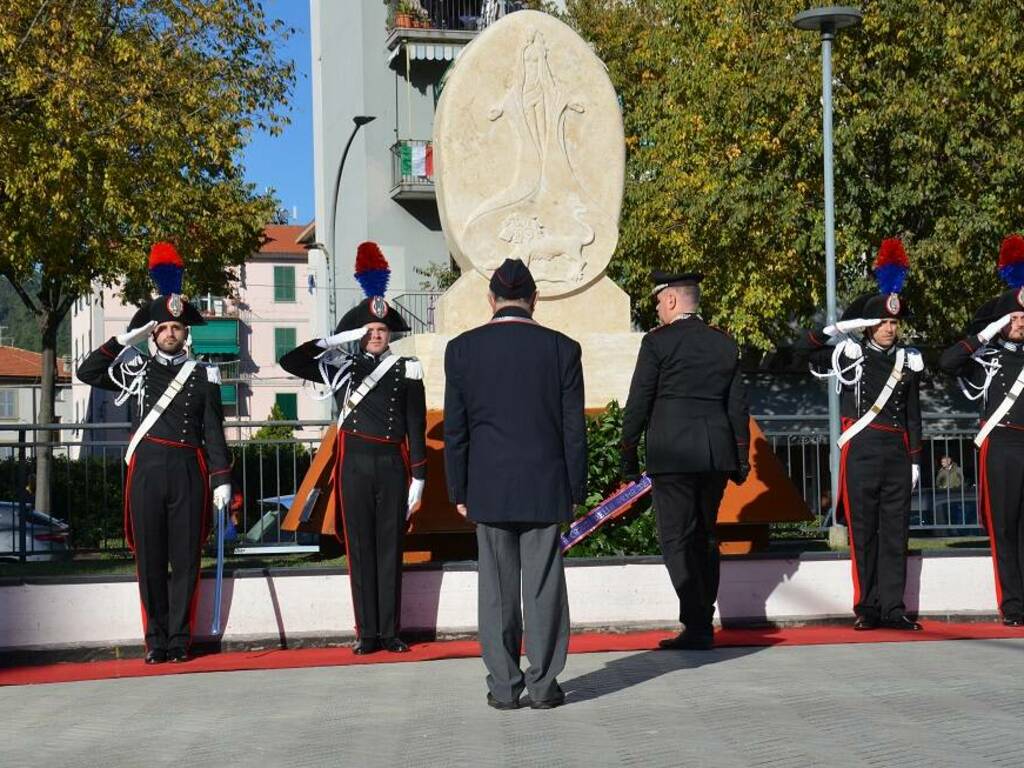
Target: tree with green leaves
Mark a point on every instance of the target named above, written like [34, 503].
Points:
[121, 123]
[721, 101]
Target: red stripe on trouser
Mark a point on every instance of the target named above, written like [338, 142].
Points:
[340, 512]
[843, 488]
[985, 504]
[205, 531]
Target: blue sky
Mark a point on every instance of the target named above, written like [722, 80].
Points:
[285, 162]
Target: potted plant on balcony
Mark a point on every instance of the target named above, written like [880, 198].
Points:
[404, 14]
[422, 19]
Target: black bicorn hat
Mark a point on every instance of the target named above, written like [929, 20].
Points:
[167, 270]
[890, 272]
[372, 273]
[663, 280]
[513, 281]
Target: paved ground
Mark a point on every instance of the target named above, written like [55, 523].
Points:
[914, 704]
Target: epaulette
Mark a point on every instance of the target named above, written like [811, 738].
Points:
[720, 330]
[413, 368]
[915, 360]
[212, 373]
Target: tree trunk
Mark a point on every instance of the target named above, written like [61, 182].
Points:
[48, 322]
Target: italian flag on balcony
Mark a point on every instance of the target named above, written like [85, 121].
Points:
[418, 159]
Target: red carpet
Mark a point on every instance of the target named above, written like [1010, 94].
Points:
[458, 649]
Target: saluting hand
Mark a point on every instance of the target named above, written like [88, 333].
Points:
[133, 336]
[990, 331]
[848, 326]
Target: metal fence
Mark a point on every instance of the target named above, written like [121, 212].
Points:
[448, 14]
[88, 476]
[87, 488]
[944, 500]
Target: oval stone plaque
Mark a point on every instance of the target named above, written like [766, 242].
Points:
[530, 154]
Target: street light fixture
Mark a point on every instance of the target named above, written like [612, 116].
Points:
[828, 21]
[357, 122]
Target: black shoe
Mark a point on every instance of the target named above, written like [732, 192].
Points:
[864, 623]
[1013, 621]
[903, 623]
[365, 646]
[555, 701]
[156, 656]
[177, 655]
[498, 704]
[689, 641]
[394, 645]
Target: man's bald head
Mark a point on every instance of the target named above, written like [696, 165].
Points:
[677, 300]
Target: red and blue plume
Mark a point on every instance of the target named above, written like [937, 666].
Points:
[891, 266]
[1011, 261]
[166, 268]
[372, 270]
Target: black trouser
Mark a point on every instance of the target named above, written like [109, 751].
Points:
[876, 497]
[374, 494]
[167, 493]
[686, 508]
[1002, 466]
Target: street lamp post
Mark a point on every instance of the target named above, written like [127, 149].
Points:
[828, 21]
[332, 300]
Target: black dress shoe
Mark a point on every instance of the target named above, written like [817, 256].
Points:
[499, 704]
[555, 701]
[394, 645]
[689, 641]
[177, 655]
[365, 646]
[903, 623]
[156, 656]
[864, 623]
[1013, 621]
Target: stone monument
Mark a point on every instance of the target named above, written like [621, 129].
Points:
[529, 156]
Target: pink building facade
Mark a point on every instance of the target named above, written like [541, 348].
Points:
[272, 309]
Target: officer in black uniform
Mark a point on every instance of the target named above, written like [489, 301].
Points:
[177, 461]
[688, 393]
[880, 459]
[989, 361]
[382, 451]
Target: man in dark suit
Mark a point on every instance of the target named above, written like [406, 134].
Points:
[688, 394]
[516, 460]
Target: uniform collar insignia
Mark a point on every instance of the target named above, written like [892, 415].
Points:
[878, 348]
[164, 359]
[1010, 346]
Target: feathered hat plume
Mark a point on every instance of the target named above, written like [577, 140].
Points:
[1011, 261]
[891, 266]
[372, 270]
[166, 268]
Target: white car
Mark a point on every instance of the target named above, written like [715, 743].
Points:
[46, 537]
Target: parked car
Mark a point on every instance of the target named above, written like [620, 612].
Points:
[952, 508]
[46, 537]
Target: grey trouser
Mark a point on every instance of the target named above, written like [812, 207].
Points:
[510, 553]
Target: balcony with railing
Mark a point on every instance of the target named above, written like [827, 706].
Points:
[412, 170]
[436, 30]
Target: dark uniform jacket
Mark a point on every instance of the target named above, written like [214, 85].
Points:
[903, 409]
[515, 431]
[394, 411]
[194, 418]
[687, 391]
[957, 361]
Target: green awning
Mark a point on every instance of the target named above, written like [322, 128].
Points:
[228, 394]
[218, 337]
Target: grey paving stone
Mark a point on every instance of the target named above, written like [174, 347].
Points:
[901, 704]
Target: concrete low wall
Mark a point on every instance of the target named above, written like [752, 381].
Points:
[294, 605]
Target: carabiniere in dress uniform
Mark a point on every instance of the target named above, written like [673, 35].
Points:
[177, 453]
[877, 378]
[380, 468]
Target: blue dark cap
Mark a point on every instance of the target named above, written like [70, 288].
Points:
[512, 280]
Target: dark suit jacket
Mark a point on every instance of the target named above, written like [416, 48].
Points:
[688, 393]
[515, 434]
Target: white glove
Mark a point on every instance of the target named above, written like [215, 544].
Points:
[990, 331]
[342, 338]
[851, 349]
[847, 326]
[915, 475]
[222, 495]
[415, 496]
[133, 336]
